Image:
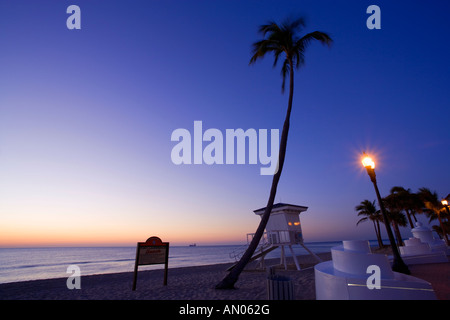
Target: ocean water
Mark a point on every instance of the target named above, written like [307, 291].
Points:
[23, 264]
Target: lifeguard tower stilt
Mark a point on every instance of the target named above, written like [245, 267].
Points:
[283, 229]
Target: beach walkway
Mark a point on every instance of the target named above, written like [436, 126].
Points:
[438, 274]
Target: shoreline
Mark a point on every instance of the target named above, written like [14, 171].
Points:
[184, 283]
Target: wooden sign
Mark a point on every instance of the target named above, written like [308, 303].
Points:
[152, 251]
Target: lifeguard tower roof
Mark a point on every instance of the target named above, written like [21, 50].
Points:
[281, 205]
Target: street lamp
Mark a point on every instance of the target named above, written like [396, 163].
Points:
[398, 265]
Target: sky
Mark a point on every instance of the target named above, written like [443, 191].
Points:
[86, 117]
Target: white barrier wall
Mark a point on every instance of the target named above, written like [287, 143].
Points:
[346, 277]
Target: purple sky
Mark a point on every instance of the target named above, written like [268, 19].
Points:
[86, 116]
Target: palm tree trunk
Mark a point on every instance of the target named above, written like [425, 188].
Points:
[397, 233]
[408, 214]
[232, 277]
[414, 215]
[377, 232]
[380, 240]
[375, 227]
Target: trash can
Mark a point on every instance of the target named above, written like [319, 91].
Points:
[280, 287]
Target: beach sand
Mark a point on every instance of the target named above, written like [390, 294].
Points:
[188, 283]
[197, 283]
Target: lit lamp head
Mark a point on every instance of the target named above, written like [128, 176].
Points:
[369, 164]
[444, 202]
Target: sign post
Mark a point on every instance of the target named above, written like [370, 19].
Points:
[152, 251]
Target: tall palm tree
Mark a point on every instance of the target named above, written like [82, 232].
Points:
[278, 39]
[370, 212]
[434, 209]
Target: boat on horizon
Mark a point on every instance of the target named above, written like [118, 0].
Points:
[193, 245]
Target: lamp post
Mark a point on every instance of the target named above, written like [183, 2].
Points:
[444, 232]
[398, 265]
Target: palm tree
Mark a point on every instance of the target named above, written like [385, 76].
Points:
[395, 216]
[397, 220]
[370, 212]
[406, 201]
[415, 204]
[438, 230]
[434, 209]
[283, 39]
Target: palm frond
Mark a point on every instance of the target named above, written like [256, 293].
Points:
[271, 27]
[261, 48]
[362, 220]
[320, 36]
[276, 54]
[294, 25]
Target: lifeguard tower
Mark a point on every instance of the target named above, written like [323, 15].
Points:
[282, 229]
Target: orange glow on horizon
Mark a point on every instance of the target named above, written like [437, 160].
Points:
[45, 237]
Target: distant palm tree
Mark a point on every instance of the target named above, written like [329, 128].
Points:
[415, 204]
[370, 212]
[438, 230]
[397, 220]
[279, 39]
[395, 216]
[434, 209]
[406, 201]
